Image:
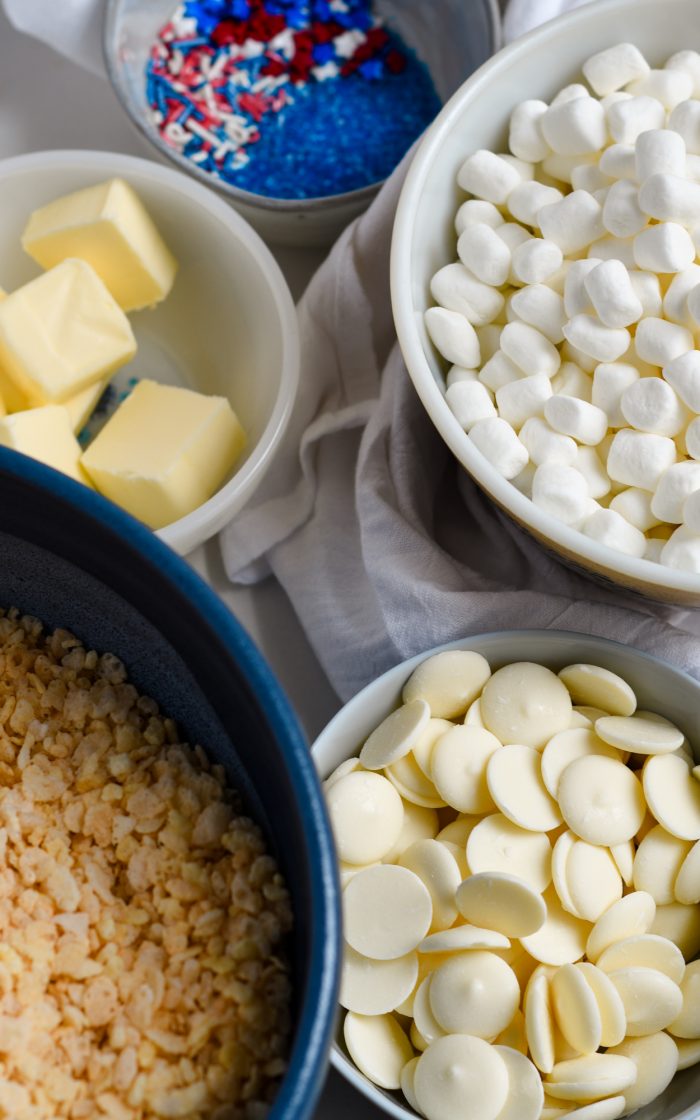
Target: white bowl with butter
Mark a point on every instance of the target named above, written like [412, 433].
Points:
[227, 328]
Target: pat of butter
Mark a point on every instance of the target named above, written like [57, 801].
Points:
[45, 434]
[59, 334]
[109, 227]
[81, 407]
[164, 452]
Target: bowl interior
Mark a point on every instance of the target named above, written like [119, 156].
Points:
[536, 66]
[221, 329]
[69, 558]
[659, 688]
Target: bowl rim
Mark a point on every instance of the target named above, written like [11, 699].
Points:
[306, 1072]
[590, 553]
[399, 673]
[207, 519]
[319, 204]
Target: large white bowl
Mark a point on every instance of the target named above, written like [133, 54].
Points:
[659, 688]
[538, 65]
[228, 326]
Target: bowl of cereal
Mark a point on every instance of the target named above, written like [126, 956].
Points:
[170, 916]
[558, 366]
[489, 968]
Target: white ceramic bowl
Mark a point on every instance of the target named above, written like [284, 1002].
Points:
[228, 327]
[658, 687]
[536, 66]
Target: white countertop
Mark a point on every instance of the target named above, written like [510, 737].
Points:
[46, 102]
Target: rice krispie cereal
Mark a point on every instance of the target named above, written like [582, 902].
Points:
[142, 922]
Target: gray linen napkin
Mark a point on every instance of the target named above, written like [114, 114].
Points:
[381, 540]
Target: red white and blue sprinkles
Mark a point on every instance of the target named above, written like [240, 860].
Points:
[287, 98]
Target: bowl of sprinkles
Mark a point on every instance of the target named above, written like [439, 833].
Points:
[296, 110]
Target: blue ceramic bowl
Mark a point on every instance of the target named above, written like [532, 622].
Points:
[75, 560]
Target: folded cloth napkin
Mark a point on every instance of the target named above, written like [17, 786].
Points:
[383, 543]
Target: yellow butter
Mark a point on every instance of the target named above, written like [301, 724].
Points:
[3, 294]
[59, 334]
[45, 434]
[164, 451]
[81, 406]
[109, 227]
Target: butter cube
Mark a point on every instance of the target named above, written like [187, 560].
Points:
[45, 434]
[109, 227]
[164, 451]
[59, 334]
[81, 407]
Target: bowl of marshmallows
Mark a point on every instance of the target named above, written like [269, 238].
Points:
[546, 288]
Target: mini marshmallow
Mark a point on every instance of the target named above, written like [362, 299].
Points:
[588, 177]
[489, 340]
[611, 98]
[601, 194]
[693, 304]
[670, 198]
[525, 169]
[545, 445]
[670, 87]
[569, 353]
[456, 374]
[689, 61]
[498, 443]
[660, 151]
[612, 68]
[527, 200]
[576, 298]
[486, 175]
[454, 288]
[529, 349]
[572, 381]
[622, 216]
[609, 528]
[589, 463]
[558, 280]
[692, 438]
[672, 489]
[691, 512]
[666, 247]
[639, 458]
[605, 344]
[614, 249]
[610, 381]
[675, 302]
[575, 127]
[513, 235]
[570, 93]
[619, 161]
[635, 506]
[647, 289]
[469, 401]
[453, 336]
[653, 549]
[520, 400]
[611, 293]
[498, 371]
[692, 167]
[542, 308]
[683, 375]
[476, 210]
[659, 342]
[525, 138]
[574, 222]
[484, 253]
[523, 481]
[561, 492]
[536, 260]
[685, 121]
[650, 405]
[682, 551]
[628, 119]
[585, 422]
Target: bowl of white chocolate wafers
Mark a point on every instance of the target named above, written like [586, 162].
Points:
[517, 820]
[546, 287]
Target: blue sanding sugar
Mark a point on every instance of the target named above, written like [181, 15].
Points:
[340, 135]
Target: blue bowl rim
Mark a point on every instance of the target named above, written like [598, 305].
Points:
[307, 1067]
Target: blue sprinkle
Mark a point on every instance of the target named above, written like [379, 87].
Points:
[372, 69]
[188, 44]
[324, 52]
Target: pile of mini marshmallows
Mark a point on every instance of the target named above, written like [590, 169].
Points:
[573, 315]
[518, 917]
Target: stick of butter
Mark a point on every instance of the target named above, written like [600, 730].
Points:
[81, 407]
[164, 451]
[59, 334]
[45, 434]
[109, 227]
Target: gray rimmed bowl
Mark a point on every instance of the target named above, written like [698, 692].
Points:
[453, 38]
